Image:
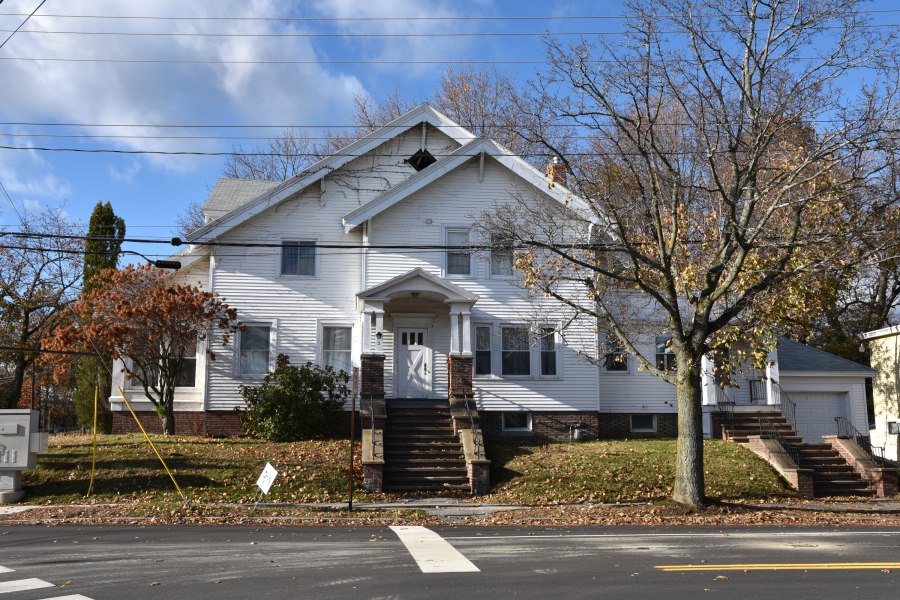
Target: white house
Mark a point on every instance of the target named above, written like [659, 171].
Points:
[324, 267]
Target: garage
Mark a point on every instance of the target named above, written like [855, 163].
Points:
[816, 412]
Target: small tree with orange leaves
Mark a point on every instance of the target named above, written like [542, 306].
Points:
[153, 324]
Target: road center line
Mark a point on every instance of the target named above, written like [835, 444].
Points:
[433, 553]
[21, 585]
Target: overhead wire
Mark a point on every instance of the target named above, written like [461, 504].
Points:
[22, 23]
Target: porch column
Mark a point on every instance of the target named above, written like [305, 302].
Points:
[467, 334]
[708, 380]
[454, 334]
[772, 376]
[379, 332]
[366, 326]
[372, 359]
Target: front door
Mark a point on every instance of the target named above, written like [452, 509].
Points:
[413, 369]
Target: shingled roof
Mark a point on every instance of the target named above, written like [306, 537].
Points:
[798, 357]
[231, 193]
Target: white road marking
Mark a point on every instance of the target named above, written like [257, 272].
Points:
[433, 553]
[21, 585]
[6, 570]
[72, 597]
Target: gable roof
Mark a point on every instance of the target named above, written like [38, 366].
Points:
[458, 157]
[879, 333]
[316, 172]
[426, 282]
[793, 356]
[232, 193]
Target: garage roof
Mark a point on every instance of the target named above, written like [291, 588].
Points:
[799, 357]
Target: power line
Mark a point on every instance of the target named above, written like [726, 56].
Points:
[350, 155]
[363, 19]
[382, 35]
[22, 23]
[12, 205]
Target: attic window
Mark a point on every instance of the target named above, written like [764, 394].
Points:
[420, 160]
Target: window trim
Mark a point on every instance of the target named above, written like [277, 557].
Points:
[631, 423]
[134, 384]
[629, 360]
[320, 341]
[273, 348]
[503, 426]
[556, 354]
[316, 239]
[475, 350]
[896, 425]
[489, 267]
[657, 354]
[446, 228]
[534, 352]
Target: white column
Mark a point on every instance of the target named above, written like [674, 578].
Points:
[467, 334]
[454, 334]
[708, 380]
[366, 325]
[379, 332]
[772, 376]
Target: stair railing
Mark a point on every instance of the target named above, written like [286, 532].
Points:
[767, 429]
[846, 428]
[787, 406]
[725, 407]
[372, 410]
[479, 449]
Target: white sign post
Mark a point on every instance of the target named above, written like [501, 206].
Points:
[265, 481]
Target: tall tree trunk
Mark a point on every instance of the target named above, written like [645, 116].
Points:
[11, 398]
[167, 411]
[689, 482]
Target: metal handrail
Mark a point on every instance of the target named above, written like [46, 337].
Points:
[372, 411]
[475, 439]
[788, 408]
[846, 428]
[767, 429]
[725, 406]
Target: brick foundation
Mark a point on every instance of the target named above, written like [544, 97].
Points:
[479, 477]
[800, 479]
[618, 425]
[373, 478]
[553, 426]
[195, 423]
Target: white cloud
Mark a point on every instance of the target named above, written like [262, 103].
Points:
[127, 174]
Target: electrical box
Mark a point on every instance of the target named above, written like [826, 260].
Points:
[20, 443]
[893, 428]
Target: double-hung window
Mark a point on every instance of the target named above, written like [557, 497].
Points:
[615, 359]
[336, 347]
[483, 350]
[187, 374]
[254, 357]
[665, 356]
[459, 257]
[502, 259]
[548, 353]
[516, 354]
[298, 258]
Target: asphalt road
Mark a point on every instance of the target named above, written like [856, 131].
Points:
[198, 563]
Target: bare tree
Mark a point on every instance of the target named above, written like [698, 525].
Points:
[38, 275]
[190, 218]
[719, 171]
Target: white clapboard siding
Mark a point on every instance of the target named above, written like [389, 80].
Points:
[248, 277]
[456, 199]
[636, 391]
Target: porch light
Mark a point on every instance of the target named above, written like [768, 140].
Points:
[379, 335]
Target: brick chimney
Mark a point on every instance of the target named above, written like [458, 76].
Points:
[556, 171]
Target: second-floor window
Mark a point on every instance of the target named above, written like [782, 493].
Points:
[502, 260]
[298, 258]
[459, 259]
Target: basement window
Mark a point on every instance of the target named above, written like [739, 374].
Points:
[420, 160]
[893, 428]
[643, 423]
[516, 421]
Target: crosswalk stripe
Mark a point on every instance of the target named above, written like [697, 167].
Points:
[72, 597]
[6, 570]
[21, 585]
[433, 553]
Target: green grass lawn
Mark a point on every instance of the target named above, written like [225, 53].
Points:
[211, 471]
[622, 470]
[207, 470]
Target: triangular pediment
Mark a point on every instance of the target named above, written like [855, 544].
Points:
[418, 280]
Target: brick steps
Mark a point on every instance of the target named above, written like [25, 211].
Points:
[831, 474]
[420, 449]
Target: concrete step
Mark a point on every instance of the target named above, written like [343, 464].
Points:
[823, 492]
[401, 478]
[836, 476]
[442, 472]
[425, 488]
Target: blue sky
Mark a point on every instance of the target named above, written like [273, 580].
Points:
[148, 190]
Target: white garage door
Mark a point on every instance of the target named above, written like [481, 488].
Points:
[816, 412]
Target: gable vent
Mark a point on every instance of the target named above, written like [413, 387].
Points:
[420, 160]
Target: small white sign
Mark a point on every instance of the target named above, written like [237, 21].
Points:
[267, 478]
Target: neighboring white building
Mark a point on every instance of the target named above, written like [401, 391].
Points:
[327, 290]
[884, 348]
